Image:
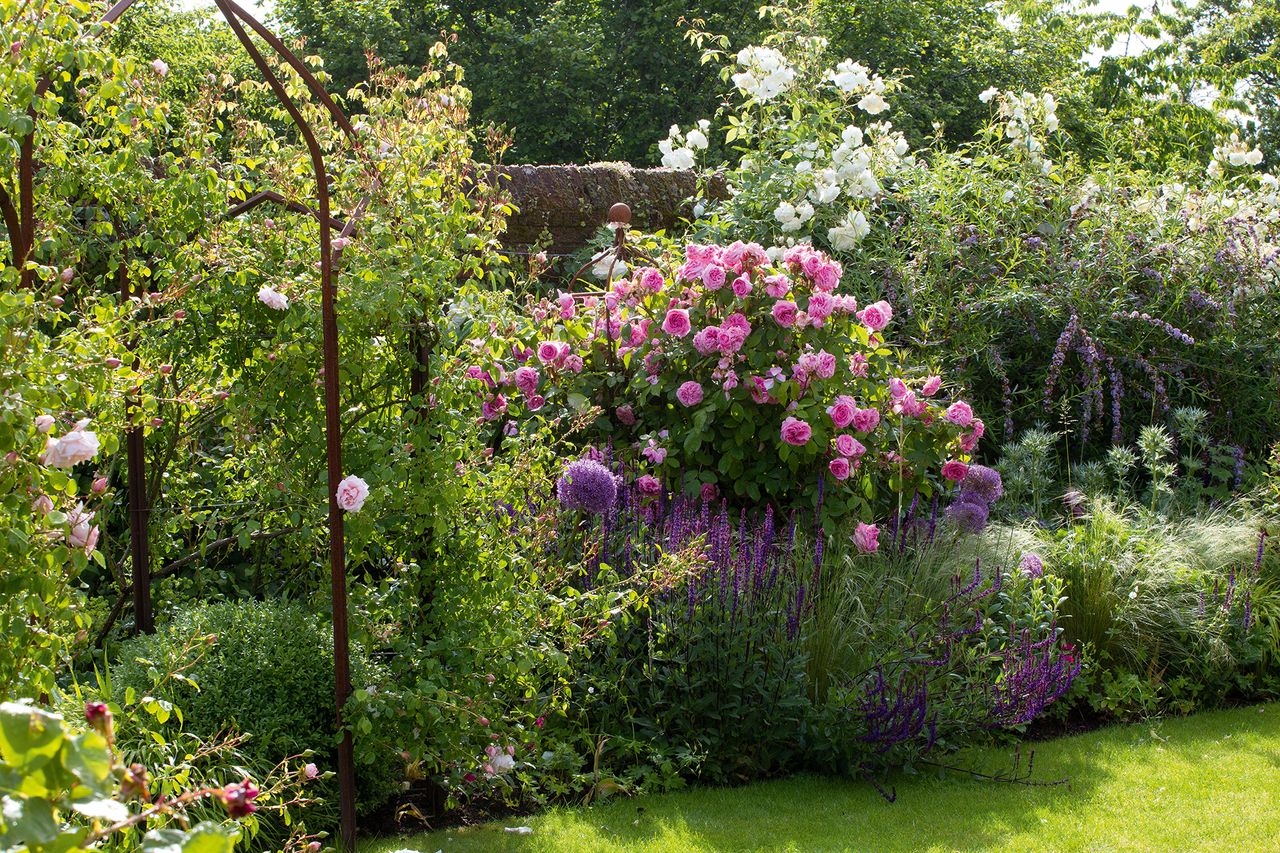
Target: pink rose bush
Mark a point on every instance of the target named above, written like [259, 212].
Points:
[763, 378]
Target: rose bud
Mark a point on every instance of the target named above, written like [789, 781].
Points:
[67, 274]
[99, 485]
[238, 798]
[180, 314]
[166, 369]
[113, 362]
[57, 301]
[156, 422]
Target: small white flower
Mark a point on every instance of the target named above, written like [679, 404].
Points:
[697, 140]
[160, 67]
[849, 233]
[987, 94]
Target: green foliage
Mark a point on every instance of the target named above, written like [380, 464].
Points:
[267, 673]
[64, 792]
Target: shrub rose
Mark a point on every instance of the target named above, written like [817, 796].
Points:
[352, 493]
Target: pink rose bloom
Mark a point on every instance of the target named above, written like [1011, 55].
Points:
[954, 470]
[626, 415]
[741, 286]
[655, 454]
[567, 306]
[44, 423]
[713, 277]
[865, 420]
[42, 505]
[796, 432]
[931, 386]
[876, 315]
[777, 286]
[960, 413]
[689, 394]
[858, 365]
[535, 402]
[651, 279]
[676, 322]
[648, 485]
[733, 253]
[897, 389]
[847, 445]
[709, 492]
[549, 352]
[821, 305]
[784, 312]
[707, 341]
[526, 380]
[737, 321]
[978, 427]
[352, 493]
[827, 277]
[79, 445]
[865, 537]
[573, 363]
[759, 390]
[842, 411]
[490, 409]
[811, 263]
[839, 468]
[826, 365]
[272, 298]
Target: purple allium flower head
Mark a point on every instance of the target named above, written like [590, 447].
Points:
[587, 485]
[969, 513]
[982, 482]
[1031, 565]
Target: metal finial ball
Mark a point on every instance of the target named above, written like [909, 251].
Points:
[620, 213]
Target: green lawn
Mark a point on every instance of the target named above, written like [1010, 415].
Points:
[1209, 782]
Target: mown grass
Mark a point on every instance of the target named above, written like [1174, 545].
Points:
[1208, 782]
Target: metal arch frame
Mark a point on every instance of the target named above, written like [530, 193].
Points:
[20, 223]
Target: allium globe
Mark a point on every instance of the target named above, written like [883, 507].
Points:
[1031, 565]
[984, 483]
[587, 485]
[969, 514]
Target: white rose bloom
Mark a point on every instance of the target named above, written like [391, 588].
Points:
[785, 212]
[1236, 158]
[502, 764]
[1254, 157]
[872, 103]
[606, 262]
[682, 159]
[852, 135]
[987, 94]
[804, 211]
[1214, 170]
[696, 139]
[845, 236]
[849, 76]
[78, 445]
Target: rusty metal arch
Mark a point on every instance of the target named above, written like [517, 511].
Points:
[20, 223]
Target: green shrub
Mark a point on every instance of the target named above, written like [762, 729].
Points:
[268, 673]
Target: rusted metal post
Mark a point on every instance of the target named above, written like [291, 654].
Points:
[135, 445]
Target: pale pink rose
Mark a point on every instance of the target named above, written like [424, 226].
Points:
[931, 386]
[847, 445]
[865, 420]
[839, 468]
[310, 771]
[954, 470]
[713, 277]
[865, 537]
[655, 454]
[526, 379]
[676, 323]
[352, 493]
[81, 531]
[858, 365]
[272, 298]
[42, 505]
[876, 315]
[648, 485]
[960, 413]
[534, 402]
[75, 447]
[160, 67]
[626, 415]
[689, 394]
[572, 363]
[784, 312]
[44, 423]
[897, 389]
[796, 432]
[842, 411]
